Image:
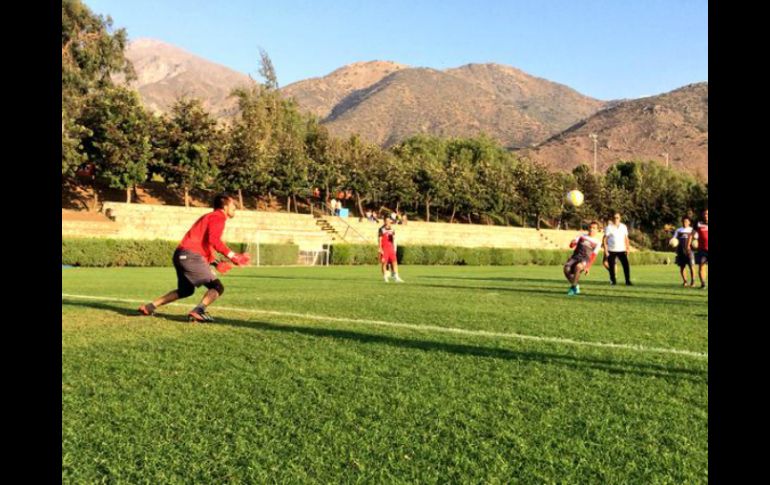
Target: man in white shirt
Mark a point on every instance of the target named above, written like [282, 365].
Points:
[616, 245]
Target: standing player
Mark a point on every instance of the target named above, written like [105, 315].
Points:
[193, 257]
[616, 246]
[701, 232]
[684, 256]
[586, 247]
[387, 248]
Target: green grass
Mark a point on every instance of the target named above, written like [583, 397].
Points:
[264, 398]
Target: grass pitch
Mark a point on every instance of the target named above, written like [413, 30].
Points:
[329, 375]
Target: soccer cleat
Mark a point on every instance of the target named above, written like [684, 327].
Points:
[702, 287]
[398, 280]
[577, 289]
[386, 278]
[571, 291]
[143, 310]
[200, 317]
[628, 283]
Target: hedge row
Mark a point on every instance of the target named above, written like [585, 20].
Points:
[345, 254]
[135, 252]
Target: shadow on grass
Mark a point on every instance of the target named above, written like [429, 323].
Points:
[307, 278]
[610, 366]
[588, 292]
[675, 289]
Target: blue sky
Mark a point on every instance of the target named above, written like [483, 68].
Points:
[605, 49]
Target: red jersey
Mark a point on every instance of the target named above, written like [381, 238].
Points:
[387, 238]
[205, 236]
[702, 229]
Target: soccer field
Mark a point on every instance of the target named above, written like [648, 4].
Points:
[330, 375]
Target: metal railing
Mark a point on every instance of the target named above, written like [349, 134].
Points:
[326, 212]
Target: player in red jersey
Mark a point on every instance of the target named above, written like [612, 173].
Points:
[194, 257]
[586, 247]
[387, 248]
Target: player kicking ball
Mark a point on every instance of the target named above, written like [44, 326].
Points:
[586, 248]
[386, 240]
[193, 260]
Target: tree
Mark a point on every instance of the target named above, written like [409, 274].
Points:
[539, 191]
[361, 163]
[250, 149]
[91, 53]
[426, 155]
[326, 155]
[292, 163]
[463, 186]
[118, 140]
[658, 195]
[194, 147]
[267, 71]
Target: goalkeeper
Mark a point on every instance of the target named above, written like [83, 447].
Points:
[194, 257]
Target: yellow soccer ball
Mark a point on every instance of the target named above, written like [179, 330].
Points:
[574, 198]
[673, 242]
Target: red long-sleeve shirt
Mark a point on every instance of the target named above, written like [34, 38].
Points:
[205, 236]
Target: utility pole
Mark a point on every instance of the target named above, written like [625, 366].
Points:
[594, 137]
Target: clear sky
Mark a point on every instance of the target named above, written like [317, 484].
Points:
[607, 49]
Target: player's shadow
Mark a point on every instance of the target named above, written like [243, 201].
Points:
[561, 293]
[673, 288]
[613, 367]
[279, 277]
[507, 279]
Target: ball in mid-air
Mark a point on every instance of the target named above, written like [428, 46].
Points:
[574, 198]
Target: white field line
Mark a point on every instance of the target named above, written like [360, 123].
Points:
[424, 328]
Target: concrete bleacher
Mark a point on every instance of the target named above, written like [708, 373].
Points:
[463, 235]
[145, 221]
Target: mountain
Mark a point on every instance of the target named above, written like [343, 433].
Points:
[320, 95]
[420, 100]
[386, 102]
[646, 128]
[166, 72]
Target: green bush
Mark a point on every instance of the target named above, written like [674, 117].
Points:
[346, 254]
[414, 255]
[353, 254]
[117, 252]
[649, 257]
[365, 254]
[136, 252]
[341, 254]
[640, 239]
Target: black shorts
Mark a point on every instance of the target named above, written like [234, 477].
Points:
[702, 257]
[571, 262]
[683, 259]
[192, 270]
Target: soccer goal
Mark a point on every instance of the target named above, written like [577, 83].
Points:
[261, 255]
[318, 257]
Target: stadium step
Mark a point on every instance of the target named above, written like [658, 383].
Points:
[328, 228]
